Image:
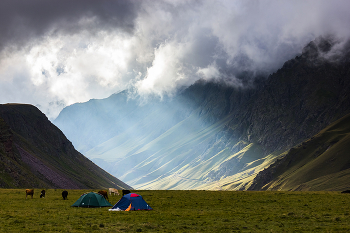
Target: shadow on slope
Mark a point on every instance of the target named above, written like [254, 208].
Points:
[320, 163]
[35, 153]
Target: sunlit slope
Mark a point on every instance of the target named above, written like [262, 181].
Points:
[196, 175]
[184, 157]
[243, 179]
[177, 153]
[142, 131]
[320, 163]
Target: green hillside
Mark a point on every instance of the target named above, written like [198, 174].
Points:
[180, 211]
[35, 154]
[320, 163]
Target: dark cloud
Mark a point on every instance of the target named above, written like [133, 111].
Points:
[67, 51]
[21, 21]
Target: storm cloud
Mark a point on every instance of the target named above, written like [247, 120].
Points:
[22, 21]
[56, 53]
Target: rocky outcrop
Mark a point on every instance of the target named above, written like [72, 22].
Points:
[305, 95]
[48, 174]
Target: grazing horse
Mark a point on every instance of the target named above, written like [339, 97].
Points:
[29, 192]
[104, 194]
[114, 191]
[42, 194]
[125, 192]
[64, 194]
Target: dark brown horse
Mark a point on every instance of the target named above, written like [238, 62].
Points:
[29, 192]
[104, 194]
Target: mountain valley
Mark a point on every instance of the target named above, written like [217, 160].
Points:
[213, 135]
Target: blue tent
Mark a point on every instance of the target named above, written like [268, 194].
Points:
[131, 201]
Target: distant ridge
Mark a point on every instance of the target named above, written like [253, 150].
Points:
[36, 154]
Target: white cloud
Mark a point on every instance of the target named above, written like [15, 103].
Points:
[210, 72]
[68, 68]
[165, 45]
[167, 71]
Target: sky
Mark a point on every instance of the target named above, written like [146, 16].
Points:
[54, 53]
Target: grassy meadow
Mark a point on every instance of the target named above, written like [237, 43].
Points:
[180, 211]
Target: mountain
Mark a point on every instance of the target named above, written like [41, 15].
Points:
[320, 163]
[213, 135]
[34, 153]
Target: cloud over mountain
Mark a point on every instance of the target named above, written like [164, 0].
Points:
[55, 53]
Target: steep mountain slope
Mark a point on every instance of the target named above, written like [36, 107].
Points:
[35, 153]
[320, 163]
[213, 135]
[174, 144]
[305, 95]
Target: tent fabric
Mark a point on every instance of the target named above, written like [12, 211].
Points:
[90, 200]
[131, 201]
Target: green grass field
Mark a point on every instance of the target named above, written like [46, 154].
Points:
[180, 211]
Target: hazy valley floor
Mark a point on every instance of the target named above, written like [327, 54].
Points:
[180, 211]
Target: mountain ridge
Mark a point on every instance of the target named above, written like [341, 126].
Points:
[35, 153]
[232, 132]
